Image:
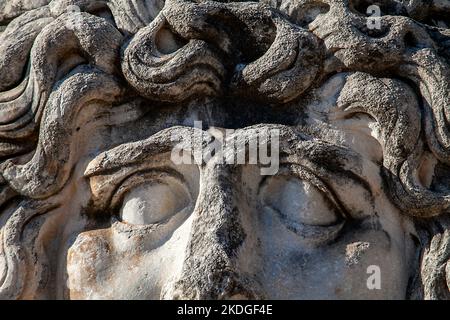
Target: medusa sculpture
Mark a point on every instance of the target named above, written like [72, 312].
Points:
[96, 98]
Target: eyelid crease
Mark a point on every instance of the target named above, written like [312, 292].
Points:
[141, 177]
[310, 164]
[105, 188]
[315, 234]
[303, 173]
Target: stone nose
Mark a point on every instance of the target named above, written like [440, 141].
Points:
[210, 269]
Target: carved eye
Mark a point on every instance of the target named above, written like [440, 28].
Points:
[305, 207]
[299, 201]
[152, 198]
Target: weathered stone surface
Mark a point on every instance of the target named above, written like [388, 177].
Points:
[103, 191]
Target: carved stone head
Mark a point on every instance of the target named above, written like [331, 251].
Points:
[218, 150]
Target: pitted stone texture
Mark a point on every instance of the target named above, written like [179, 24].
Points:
[96, 96]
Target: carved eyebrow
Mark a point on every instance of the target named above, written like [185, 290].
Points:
[329, 162]
[141, 151]
[164, 141]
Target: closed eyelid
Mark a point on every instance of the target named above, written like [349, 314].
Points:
[343, 173]
[107, 190]
[320, 217]
[302, 173]
[159, 175]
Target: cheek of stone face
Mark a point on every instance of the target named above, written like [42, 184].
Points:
[307, 249]
[113, 264]
[345, 268]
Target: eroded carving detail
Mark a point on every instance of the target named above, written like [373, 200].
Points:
[93, 100]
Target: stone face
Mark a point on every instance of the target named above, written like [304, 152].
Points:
[320, 169]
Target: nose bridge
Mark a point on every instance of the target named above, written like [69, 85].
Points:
[209, 270]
